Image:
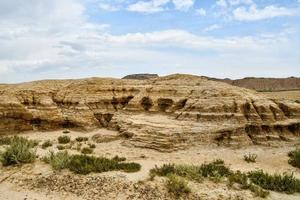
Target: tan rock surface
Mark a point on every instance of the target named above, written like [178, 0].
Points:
[166, 113]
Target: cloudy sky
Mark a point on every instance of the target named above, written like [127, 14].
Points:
[46, 39]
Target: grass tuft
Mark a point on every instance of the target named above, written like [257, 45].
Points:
[46, 144]
[87, 150]
[250, 158]
[177, 185]
[20, 151]
[82, 139]
[63, 139]
[294, 158]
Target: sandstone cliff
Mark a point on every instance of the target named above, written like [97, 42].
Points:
[165, 113]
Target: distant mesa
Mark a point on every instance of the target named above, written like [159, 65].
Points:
[140, 76]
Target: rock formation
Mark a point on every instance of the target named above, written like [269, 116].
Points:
[165, 113]
[265, 84]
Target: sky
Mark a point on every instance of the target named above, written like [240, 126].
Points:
[58, 39]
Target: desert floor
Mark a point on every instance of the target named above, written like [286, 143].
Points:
[35, 181]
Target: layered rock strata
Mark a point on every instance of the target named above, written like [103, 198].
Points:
[166, 113]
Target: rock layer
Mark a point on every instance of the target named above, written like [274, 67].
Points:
[165, 113]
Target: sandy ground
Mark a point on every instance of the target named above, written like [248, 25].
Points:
[291, 95]
[270, 159]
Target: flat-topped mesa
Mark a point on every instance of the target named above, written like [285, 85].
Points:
[165, 113]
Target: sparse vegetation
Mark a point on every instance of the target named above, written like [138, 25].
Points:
[119, 159]
[63, 139]
[59, 160]
[66, 131]
[250, 158]
[60, 147]
[294, 158]
[281, 183]
[177, 185]
[82, 139]
[86, 150]
[5, 140]
[46, 144]
[20, 151]
[84, 164]
[93, 146]
[258, 182]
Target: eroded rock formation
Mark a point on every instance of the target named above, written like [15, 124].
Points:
[165, 113]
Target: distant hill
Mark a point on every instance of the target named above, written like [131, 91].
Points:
[264, 84]
[140, 76]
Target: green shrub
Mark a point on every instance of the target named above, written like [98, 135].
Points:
[164, 170]
[5, 140]
[190, 172]
[177, 185]
[250, 158]
[129, 167]
[59, 160]
[281, 183]
[258, 191]
[63, 139]
[60, 147]
[46, 144]
[294, 158]
[20, 151]
[240, 178]
[82, 139]
[86, 150]
[84, 164]
[216, 168]
[119, 159]
[93, 146]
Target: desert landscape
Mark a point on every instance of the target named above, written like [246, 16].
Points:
[171, 137]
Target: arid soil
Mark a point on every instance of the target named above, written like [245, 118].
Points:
[39, 181]
[179, 119]
[291, 95]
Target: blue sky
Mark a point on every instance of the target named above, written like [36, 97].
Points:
[53, 39]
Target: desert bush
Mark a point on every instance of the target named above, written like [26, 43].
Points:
[240, 178]
[129, 167]
[250, 158]
[93, 146]
[258, 191]
[216, 168]
[164, 170]
[281, 183]
[5, 140]
[294, 158]
[190, 172]
[59, 160]
[20, 151]
[119, 159]
[63, 139]
[60, 147]
[66, 131]
[177, 185]
[86, 150]
[82, 139]
[84, 164]
[46, 144]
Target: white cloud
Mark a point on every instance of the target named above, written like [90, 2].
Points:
[109, 7]
[253, 13]
[152, 6]
[221, 3]
[201, 12]
[212, 27]
[38, 42]
[239, 2]
[183, 4]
